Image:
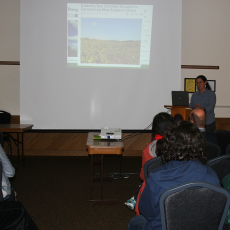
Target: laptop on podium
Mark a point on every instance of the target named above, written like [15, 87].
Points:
[180, 98]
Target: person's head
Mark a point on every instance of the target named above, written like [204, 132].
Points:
[161, 122]
[183, 141]
[197, 117]
[202, 82]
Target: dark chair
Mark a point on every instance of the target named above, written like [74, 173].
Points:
[1, 195]
[223, 137]
[152, 164]
[228, 149]
[1, 138]
[221, 165]
[212, 150]
[14, 216]
[5, 118]
[194, 206]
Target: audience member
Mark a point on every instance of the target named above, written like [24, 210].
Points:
[7, 172]
[198, 117]
[184, 157]
[161, 122]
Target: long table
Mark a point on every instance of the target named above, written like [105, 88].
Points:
[97, 148]
[18, 129]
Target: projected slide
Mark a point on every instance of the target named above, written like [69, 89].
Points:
[106, 35]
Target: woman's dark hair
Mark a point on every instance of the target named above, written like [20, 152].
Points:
[184, 141]
[204, 79]
[161, 122]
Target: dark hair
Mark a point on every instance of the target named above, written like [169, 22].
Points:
[204, 79]
[161, 122]
[184, 141]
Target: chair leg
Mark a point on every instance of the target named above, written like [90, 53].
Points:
[9, 150]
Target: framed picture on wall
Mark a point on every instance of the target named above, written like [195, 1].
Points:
[190, 85]
[212, 84]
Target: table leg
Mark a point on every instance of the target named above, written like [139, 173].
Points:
[18, 148]
[102, 179]
[91, 178]
[102, 174]
[22, 158]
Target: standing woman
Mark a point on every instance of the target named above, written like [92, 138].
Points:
[205, 99]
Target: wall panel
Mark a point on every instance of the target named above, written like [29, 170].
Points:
[74, 144]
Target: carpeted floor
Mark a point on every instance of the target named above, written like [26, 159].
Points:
[56, 190]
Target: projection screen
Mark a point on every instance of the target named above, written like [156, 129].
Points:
[87, 65]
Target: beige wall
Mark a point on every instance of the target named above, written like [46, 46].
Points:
[205, 41]
[10, 51]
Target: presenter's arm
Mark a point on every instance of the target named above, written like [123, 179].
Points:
[192, 104]
[211, 102]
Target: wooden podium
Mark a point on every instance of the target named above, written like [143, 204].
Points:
[180, 112]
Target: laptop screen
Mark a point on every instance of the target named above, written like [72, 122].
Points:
[180, 98]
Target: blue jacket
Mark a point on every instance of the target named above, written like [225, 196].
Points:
[170, 175]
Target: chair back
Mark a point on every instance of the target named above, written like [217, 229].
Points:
[194, 206]
[223, 137]
[221, 165]
[212, 150]
[5, 117]
[152, 164]
[1, 138]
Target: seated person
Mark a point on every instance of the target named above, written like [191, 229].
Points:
[161, 122]
[184, 157]
[7, 171]
[198, 117]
